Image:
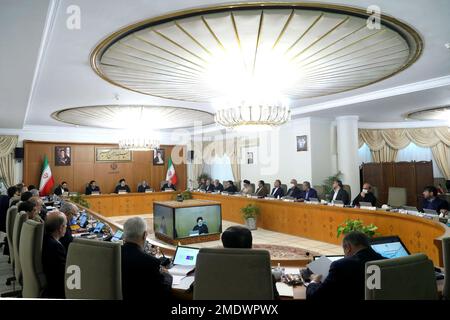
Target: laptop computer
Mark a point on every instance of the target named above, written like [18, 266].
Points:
[431, 211]
[365, 204]
[409, 208]
[313, 200]
[183, 263]
[389, 247]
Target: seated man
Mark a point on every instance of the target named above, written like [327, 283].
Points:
[339, 194]
[70, 210]
[294, 191]
[366, 195]
[261, 191]
[277, 191]
[209, 186]
[231, 188]
[144, 186]
[346, 277]
[218, 187]
[202, 184]
[39, 208]
[122, 186]
[54, 255]
[142, 277]
[237, 237]
[31, 209]
[168, 185]
[308, 192]
[61, 189]
[247, 188]
[432, 201]
[26, 196]
[92, 187]
[201, 227]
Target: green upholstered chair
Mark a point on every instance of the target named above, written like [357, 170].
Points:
[100, 269]
[320, 191]
[446, 251]
[284, 187]
[406, 278]
[10, 220]
[21, 217]
[397, 197]
[347, 188]
[267, 185]
[233, 274]
[30, 252]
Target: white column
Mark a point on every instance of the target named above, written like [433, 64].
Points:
[347, 150]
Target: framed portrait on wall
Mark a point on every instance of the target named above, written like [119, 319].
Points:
[63, 155]
[249, 157]
[158, 157]
[302, 143]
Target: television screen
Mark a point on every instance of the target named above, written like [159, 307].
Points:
[163, 220]
[198, 221]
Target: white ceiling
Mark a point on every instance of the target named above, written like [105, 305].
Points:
[34, 85]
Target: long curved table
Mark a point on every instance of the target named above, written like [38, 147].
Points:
[317, 222]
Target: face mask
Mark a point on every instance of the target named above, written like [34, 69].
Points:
[365, 190]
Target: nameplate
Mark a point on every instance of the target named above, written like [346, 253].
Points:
[289, 200]
[369, 208]
[339, 205]
[122, 192]
[312, 202]
[95, 193]
[148, 190]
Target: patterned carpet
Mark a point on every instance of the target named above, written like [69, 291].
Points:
[276, 251]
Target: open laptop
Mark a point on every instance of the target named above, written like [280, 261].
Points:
[410, 208]
[365, 204]
[316, 200]
[183, 261]
[389, 247]
[431, 211]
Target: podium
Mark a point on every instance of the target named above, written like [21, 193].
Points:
[187, 222]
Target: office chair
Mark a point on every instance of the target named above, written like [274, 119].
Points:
[233, 274]
[10, 220]
[267, 185]
[20, 220]
[284, 187]
[406, 278]
[320, 191]
[347, 188]
[446, 252]
[252, 185]
[397, 197]
[30, 251]
[101, 271]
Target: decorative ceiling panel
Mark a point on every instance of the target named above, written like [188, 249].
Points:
[291, 50]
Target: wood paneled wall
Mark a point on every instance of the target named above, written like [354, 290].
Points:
[84, 168]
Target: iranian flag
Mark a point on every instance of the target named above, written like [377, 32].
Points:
[47, 181]
[171, 174]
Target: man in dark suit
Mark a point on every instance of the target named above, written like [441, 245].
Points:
[294, 191]
[144, 186]
[308, 192]
[142, 277]
[432, 201]
[209, 186]
[61, 189]
[231, 188]
[201, 227]
[92, 187]
[168, 185]
[70, 210]
[366, 195]
[261, 191]
[346, 277]
[218, 187]
[339, 193]
[277, 191]
[122, 186]
[54, 255]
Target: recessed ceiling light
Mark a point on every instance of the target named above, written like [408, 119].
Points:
[447, 45]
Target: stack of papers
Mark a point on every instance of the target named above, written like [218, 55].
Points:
[284, 290]
[320, 266]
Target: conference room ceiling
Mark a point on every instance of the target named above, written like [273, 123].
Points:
[61, 76]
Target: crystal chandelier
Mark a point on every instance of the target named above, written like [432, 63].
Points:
[253, 116]
[139, 144]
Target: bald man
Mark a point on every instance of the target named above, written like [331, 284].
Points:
[70, 210]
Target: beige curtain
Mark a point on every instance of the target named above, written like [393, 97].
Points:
[7, 145]
[384, 144]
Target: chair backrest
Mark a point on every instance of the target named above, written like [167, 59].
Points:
[19, 221]
[267, 185]
[30, 251]
[284, 187]
[347, 188]
[446, 251]
[10, 220]
[375, 192]
[320, 191]
[406, 278]
[397, 196]
[238, 274]
[100, 266]
[252, 185]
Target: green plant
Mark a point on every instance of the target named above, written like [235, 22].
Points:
[186, 195]
[357, 225]
[79, 199]
[328, 183]
[203, 176]
[250, 211]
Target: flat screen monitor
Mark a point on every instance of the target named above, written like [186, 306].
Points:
[197, 221]
[389, 247]
[163, 220]
[185, 256]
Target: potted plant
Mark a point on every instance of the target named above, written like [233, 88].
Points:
[186, 194]
[78, 199]
[250, 213]
[357, 225]
[328, 185]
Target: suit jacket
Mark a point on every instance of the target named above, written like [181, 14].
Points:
[369, 197]
[60, 190]
[219, 188]
[166, 186]
[54, 267]
[346, 278]
[279, 192]
[89, 190]
[437, 204]
[342, 196]
[141, 276]
[231, 189]
[141, 188]
[67, 238]
[209, 188]
[294, 192]
[312, 193]
[119, 188]
[201, 230]
[262, 192]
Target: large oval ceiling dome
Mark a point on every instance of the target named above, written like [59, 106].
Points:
[295, 50]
